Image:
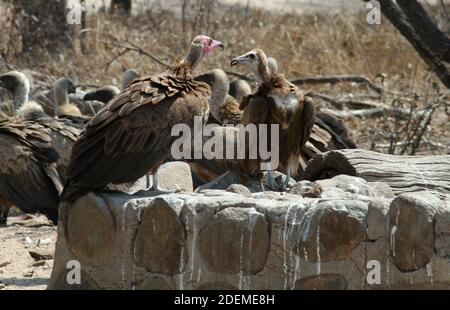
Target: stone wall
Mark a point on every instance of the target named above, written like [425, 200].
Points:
[234, 239]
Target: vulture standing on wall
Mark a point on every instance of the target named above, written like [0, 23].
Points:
[132, 135]
[277, 101]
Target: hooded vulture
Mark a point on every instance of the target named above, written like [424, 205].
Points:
[132, 134]
[276, 102]
[63, 130]
[28, 177]
[224, 109]
[107, 93]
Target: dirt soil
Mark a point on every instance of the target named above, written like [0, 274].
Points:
[18, 270]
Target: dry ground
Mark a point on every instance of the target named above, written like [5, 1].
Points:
[18, 270]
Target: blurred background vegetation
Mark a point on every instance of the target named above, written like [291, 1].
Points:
[308, 38]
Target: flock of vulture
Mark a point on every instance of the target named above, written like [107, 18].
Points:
[58, 146]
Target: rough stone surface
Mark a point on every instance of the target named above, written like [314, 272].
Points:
[91, 230]
[159, 239]
[376, 219]
[411, 229]
[332, 230]
[175, 175]
[347, 186]
[442, 231]
[322, 282]
[218, 239]
[236, 240]
[229, 178]
[239, 189]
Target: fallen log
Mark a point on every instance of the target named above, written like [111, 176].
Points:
[401, 173]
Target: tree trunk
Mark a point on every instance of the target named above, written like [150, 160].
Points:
[401, 173]
[433, 46]
[45, 24]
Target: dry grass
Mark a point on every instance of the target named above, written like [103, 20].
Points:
[306, 45]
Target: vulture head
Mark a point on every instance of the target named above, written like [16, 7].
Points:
[129, 76]
[103, 94]
[256, 61]
[18, 85]
[66, 85]
[200, 47]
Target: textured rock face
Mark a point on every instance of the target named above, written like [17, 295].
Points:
[411, 219]
[231, 239]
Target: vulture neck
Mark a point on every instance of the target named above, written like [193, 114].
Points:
[20, 96]
[263, 74]
[220, 85]
[61, 98]
[192, 59]
[219, 91]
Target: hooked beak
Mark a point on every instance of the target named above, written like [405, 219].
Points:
[239, 60]
[216, 43]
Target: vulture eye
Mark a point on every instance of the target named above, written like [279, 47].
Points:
[252, 56]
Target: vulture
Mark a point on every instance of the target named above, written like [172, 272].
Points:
[57, 96]
[63, 130]
[224, 109]
[239, 89]
[132, 134]
[106, 93]
[277, 101]
[103, 94]
[328, 132]
[28, 175]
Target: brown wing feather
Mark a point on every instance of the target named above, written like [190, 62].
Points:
[28, 178]
[132, 134]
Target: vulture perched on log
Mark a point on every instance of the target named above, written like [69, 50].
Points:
[132, 134]
[276, 102]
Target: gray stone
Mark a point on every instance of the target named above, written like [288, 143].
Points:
[348, 186]
[322, 282]
[442, 231]
[376, 215]
[300, 187]
[254, 185]
[411, 229]
[175, 175]
[332, 230]
[239, 189]
[91, 230]
[223, 240]
[235, 240]
[155, 282]
[159, 243]
[87, 283]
